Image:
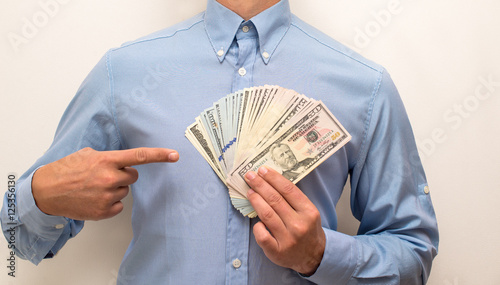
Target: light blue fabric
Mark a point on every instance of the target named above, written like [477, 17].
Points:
[146, 92]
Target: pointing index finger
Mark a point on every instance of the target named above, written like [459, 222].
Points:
[144, 155]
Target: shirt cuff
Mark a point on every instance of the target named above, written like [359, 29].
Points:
[339, 259]
[45, 226]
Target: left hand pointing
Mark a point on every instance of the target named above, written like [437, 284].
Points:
[290, 231]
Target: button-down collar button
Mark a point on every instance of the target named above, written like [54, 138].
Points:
[59, 226]
[426, 190]
[265, 55]
[236, 263]
[242, 71]
[220, 52]
[245, 29]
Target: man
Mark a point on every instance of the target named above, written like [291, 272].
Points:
[120, 118]
[283, 156]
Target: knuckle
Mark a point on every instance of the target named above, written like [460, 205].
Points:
[100, 214]
[132, 174]
[106, 198]
[266, 214]
[99, 158]
[299, 228]
[288, 188]
[315, 215]
[310, 213]
[104, 159]
[118, 209]
[290, 245]
[122, 192]
[257, 183]
[78, 156]
[126, 190]
[302, 230]
[108, 179]
[274, 199]
[86, 149]
[141, 155]
[264, 241]
[115, 209]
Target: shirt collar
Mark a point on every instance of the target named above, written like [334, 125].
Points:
[222, 24]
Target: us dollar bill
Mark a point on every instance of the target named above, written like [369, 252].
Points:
[198, 137]
[297, 150]
[267, 125]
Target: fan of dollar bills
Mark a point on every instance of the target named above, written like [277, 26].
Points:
[266, 125]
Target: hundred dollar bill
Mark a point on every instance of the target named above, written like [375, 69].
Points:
[296, 150]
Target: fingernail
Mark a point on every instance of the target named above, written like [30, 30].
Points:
[262, 170]
[174, 156]
[250, 192]
[250, 175]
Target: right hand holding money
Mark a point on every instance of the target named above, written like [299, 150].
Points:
[90, 184]
[289, 231]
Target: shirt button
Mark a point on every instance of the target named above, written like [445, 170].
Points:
[59, 226]
[242, 71]
[245, 29]
[265, 55]
[237, 263]
[426, 190]
[220, 52]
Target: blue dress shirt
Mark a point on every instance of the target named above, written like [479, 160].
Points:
[185, 230]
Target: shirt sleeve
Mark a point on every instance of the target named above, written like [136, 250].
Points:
[398, 235]
[87, 122]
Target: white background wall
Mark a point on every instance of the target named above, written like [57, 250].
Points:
[438, 53]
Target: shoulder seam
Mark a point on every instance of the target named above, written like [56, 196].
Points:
[158, 37]
[334, 49]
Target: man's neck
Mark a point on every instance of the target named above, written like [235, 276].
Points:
[247, 8]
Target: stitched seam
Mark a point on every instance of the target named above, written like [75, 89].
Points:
[334, 49]
[221, 59]
[358, 264]
[281, 39]
[368, 120]
[109, 70]
[158, 37]
[31, 250]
